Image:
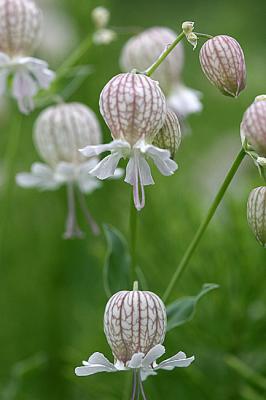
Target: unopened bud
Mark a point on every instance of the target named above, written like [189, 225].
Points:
[222, 61]
[187, 27]
[134, 322]
[104, 36]
[100, 16]
[253, 126]
[169, 137]
[256, 213]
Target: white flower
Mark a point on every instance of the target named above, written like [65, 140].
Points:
[135, 325]
[104, 36]
[100, 16]
[19, 34]
[59, 132]
[143, 49]
[134, 108]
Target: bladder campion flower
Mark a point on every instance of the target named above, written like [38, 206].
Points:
[20, 25]
[222, 61]
[169, 137]
[253, 130]
[135, 326]
[142, 50]
[256, 213]
[134, 109]
[58, 134]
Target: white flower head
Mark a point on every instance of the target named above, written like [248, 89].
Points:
[143, 49]
[134, 325]
[100, 16]
[104, 36]
[58, 134]
[134, 109]
[20, 27]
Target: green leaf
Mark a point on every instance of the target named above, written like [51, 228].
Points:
[116, 272]
[183, 310]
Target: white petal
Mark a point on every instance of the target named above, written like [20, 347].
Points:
[145, 373]
[106, 168]
[99, 359]
[24, 89]
[143, 168]
[65, 172]
[4, 58]
[118, 145]
[179, 360]
[92, 369]
[27, 180]
[162, 160]
[39, 69]
[152, 355]
[185, 101]
[136, 360]
[41, 177]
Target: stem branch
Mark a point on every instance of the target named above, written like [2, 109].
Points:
[194, 244]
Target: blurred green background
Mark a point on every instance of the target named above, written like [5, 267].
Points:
[51, 291]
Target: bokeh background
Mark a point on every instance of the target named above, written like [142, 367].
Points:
[51, 291]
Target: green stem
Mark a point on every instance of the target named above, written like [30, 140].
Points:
[9, 176]
[133, 238]
[203, 35]
[194, 244]
[164, 54]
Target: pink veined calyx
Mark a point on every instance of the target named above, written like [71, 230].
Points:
[20, 29]
[135, 325]
[134, 108]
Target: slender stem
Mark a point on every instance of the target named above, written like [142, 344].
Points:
[164, 54]
[9, 174]
[141, 387]
[194, 244]
[133, 237]
[203, 35]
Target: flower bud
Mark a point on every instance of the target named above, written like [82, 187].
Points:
[142, 50]
[20, 25]
[222, 61]
[134, 322]
[60, 131]
[133, 106]
[253, 126]
[169, 137]
[188, 27]
[192, 38]
[100, 16]
[256, 213]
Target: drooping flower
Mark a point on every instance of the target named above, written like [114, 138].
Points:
[58, 134]
[135, 326]
[133, 106]
[222, 61]
[142, 50]
[20, 26]
[256, 213]
[253, 130]
[169, 137]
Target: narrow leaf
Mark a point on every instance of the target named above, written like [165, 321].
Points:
[183, 310]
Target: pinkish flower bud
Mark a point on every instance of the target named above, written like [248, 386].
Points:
[60, 131]
[20, 25]
[133, 106]
[222, 61]
[142, 50]
[253, 126]
[256, 213]
[169, 137]
[134, 322]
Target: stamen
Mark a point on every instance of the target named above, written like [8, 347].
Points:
[142, 388]
[72, 228]
[90, 220]
[134, 386]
